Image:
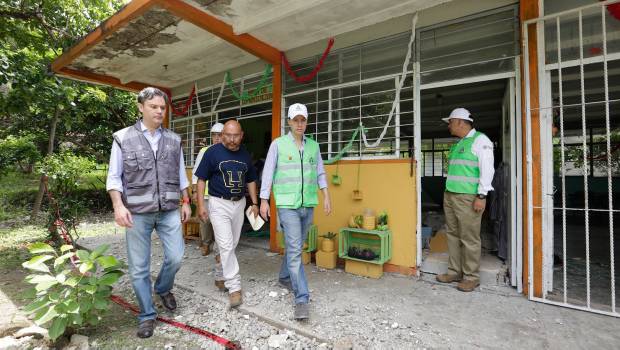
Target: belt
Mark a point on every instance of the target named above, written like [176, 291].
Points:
[230, 198]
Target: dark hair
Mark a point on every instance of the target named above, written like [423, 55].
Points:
[149, 93]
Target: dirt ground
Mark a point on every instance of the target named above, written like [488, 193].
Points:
[394, 312]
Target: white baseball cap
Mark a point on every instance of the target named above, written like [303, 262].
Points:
[459, 113]
[297, 109]
[217, 127]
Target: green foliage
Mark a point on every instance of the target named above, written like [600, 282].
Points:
[71, 287]
[32, 35]
[64, 171]
[20, 151]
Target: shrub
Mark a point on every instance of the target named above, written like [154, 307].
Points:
[72, 288]
[19, 151]
[65, 171]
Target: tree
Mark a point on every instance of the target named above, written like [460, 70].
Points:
[54, 110]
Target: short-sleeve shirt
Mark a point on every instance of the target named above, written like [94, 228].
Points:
[228, 172]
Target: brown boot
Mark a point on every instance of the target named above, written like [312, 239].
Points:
[467, 285]
[448, 278]
[221, 286]
[235, 299]
[205, 249]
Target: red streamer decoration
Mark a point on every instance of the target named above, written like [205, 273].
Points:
[613, 9]
[225, 342]
[315, 71]
[188, 103]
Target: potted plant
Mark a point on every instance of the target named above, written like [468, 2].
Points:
[327, 244]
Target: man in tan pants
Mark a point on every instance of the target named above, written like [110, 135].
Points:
[470, 172]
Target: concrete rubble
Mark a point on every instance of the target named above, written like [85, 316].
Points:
[352, 312]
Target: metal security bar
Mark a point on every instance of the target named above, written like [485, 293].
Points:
[572, 100]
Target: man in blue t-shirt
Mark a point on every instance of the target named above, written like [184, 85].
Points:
[228, 168]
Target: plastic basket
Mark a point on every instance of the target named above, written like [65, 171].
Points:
[380, 242]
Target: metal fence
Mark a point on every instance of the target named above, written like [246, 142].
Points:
[578, 109]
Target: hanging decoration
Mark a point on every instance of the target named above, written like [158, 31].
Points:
[245, 95]
[614, 10]
[188, 103]
[401, 83]
[306, 78]
[345, 149]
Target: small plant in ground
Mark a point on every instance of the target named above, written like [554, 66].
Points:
[72, 288]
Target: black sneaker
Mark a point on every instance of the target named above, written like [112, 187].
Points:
[145, 329]
[169, 301]
[302, 311]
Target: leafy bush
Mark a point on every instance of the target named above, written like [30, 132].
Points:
[65, 170]
[19, 151]
[72, 288]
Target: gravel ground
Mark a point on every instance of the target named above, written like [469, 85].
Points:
[348, 311]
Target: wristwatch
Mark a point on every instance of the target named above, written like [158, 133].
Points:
[482, 196]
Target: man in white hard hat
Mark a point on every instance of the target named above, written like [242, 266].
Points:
[295, 169]
[207, 237]
[470, 172]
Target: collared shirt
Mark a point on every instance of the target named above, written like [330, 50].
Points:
[115, 170]
[272, 160]
[483, 149]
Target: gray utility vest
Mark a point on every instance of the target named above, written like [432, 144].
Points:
[150, 183]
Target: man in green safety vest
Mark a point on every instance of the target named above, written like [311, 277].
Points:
[470, 172]
[295, 168]
[207, 237]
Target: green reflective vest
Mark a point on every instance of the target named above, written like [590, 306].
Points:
[295, 181]
[463, 169]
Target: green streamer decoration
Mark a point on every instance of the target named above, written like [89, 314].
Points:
[245, 95]
[345, 149]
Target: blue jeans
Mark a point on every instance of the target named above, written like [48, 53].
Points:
[295, 223]
[168, 227]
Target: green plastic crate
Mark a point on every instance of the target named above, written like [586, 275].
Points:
[379, 242]
[311, 239]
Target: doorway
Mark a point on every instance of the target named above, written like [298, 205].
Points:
[492, 104]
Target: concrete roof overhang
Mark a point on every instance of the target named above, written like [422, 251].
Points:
[168, 43]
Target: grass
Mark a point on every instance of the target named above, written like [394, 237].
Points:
[17, 191]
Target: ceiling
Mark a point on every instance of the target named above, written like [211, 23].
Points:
[163, 49]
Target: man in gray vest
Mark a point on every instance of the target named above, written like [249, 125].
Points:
[146, 181]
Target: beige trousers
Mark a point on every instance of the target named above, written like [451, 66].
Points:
[463, 235]
[207, 236]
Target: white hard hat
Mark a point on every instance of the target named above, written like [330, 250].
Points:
[217, 127]
[297, 109]
[459, 113]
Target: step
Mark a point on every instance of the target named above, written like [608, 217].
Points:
[493, 272]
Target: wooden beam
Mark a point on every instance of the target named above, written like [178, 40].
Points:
[221, 29]
[530, 9]
[105, 29]
[276, 117]
[103, 80]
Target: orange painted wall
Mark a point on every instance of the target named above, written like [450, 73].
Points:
[385, 186]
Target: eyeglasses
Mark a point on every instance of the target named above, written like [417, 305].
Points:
[232, 136]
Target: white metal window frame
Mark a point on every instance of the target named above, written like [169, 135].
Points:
[213, 114]
[331, 110]
[548, 205]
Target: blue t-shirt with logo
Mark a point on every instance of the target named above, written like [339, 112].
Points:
[228, 172]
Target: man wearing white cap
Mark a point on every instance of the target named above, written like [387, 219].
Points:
[470, 172]
[206, 228]
[295, 168]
